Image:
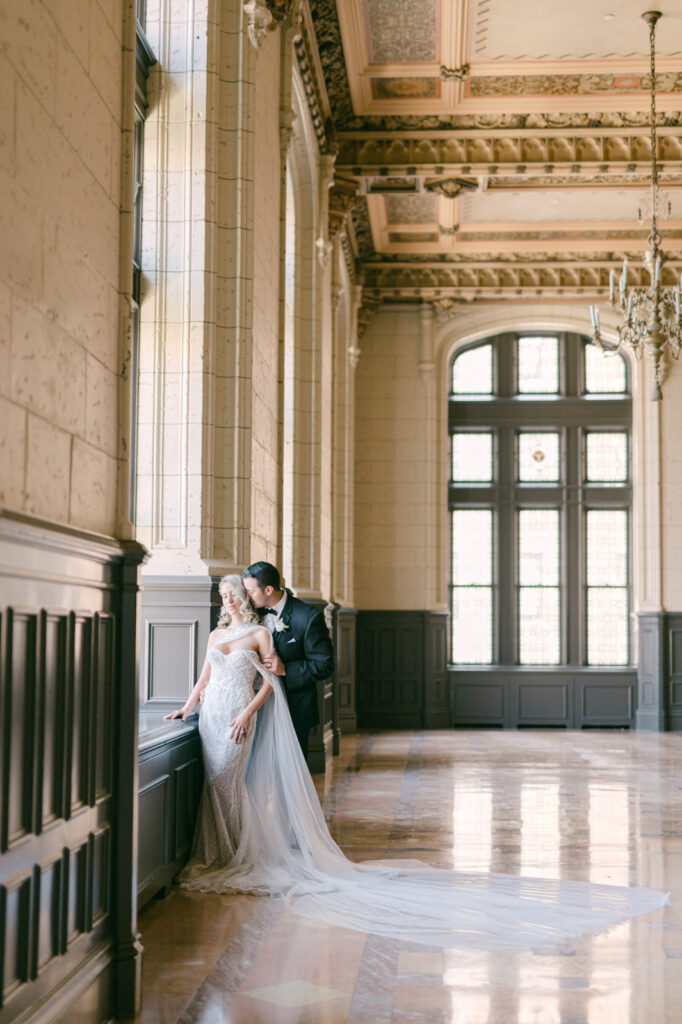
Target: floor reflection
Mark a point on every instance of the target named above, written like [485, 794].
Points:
[602, 807]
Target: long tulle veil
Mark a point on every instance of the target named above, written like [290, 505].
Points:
[285, 849]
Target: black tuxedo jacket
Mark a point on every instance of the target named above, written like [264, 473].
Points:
[304, 645]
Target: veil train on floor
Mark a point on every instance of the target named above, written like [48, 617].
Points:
[285, 850]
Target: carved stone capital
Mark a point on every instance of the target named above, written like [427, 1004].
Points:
[450, 187]
[280, 9]
[260, 21]
[343, 196]
[354, 354]
[324, 251]
[426, 370]
[287, 119]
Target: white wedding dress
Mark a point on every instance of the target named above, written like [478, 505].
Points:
[261, 830]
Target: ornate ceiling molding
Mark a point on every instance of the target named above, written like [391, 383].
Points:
[330, 50]
[494, 281]
[464, 154]
[450, 187]
[508, 122]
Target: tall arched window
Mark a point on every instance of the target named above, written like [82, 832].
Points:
[540, 497]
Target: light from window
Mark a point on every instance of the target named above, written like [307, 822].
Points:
[538, 457]
[538, 366]
[604, 374]
[472, 372]
[607, 580]
[538, 575]
[472, 457]
[472, 593]
[606, 457]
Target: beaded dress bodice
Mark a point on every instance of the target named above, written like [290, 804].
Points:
[229, 690]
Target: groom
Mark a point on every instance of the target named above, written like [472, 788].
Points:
[303, 649]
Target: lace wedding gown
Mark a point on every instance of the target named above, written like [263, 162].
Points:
[261, 830]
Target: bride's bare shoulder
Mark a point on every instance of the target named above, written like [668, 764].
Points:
[216, 636]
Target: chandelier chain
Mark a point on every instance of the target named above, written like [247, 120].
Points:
[654, 238]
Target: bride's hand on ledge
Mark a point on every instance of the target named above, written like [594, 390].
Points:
[179, 713]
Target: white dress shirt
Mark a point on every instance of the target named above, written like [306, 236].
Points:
[272, 614]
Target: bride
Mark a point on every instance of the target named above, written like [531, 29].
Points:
[261, 829]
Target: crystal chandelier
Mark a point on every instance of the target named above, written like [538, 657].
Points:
[651, 316]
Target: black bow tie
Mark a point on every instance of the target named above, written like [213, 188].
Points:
[266, 611]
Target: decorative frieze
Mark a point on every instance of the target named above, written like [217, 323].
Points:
[468, 154]
[448, 284]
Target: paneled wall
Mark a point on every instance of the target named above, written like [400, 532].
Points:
[171, 776]
[402, 670]
[67, 769]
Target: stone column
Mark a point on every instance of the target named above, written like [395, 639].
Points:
[194, 461]
[426, 368]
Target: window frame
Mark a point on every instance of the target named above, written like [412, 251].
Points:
[573, 412]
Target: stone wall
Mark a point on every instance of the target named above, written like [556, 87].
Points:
[392, 502]
[265, 515]
[60, 183]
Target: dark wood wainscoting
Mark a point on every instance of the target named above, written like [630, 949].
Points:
[402, 679]
[68, 773]
[171, 777]
[659, 675]
[571, 698]
[346, 718]
[321, 742]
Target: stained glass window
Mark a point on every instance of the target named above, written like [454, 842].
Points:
[607, 586]
[604, 374]
[538, 457]
[538, 365]
[538, 573]
[472, 457]
[606, 456]
[472, 372]
[472, 596]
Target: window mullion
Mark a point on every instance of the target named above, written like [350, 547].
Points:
[573, 553]
[506, 612]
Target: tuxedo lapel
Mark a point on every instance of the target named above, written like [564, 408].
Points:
[280, 636]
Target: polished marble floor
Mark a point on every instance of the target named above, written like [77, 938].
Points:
[599, 806]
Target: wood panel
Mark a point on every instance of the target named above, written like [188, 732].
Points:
[63, 795]
[570, 698]
[344, 673]
[171, 777]
[401, 670]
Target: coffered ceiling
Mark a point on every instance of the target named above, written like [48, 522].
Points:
[500, 147]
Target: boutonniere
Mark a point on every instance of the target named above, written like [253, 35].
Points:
[280, 626]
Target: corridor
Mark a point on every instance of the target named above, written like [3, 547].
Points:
[595, 806]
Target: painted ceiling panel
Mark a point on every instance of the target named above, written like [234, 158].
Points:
[536, 205]
[411, 209]
[402, 31]
[533, 30]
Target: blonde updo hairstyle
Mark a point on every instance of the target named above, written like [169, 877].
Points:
[246, 609]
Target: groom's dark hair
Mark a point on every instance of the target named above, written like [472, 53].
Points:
[265, 573]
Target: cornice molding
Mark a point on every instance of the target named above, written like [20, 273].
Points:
[491, 153]
[306, 49]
